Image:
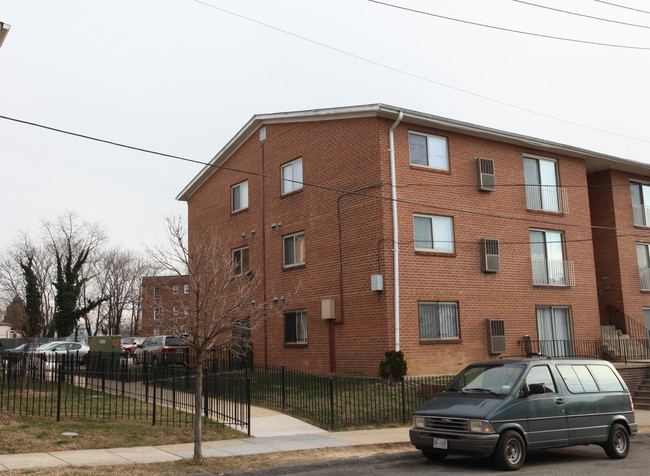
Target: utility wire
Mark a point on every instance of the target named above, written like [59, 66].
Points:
[324, 187]
[423, 78]
[622, 6]
[510, 30]
[582, 15]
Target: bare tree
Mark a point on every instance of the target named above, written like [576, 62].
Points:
[118, 276]
[221, 298]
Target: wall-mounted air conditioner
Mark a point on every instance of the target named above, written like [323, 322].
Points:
[496, 335]
[485, 175]
[490, 259]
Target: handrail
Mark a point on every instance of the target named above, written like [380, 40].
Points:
[627, 324]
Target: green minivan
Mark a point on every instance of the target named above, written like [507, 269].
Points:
[505, 408]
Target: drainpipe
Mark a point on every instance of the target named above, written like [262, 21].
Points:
[264, 304]
[393, 189]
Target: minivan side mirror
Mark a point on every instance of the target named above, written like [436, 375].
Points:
[536, 388]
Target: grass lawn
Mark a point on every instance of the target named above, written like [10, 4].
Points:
[31, 434]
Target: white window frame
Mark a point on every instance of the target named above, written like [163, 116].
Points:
[237, 262]
[292, 176]
[186, 289]
[156, 331]
[175, 310]
[300, 322]
[547, 267]
[298, 245]
[156, 313]
[643, 263]
[445, 322]
[543, 191]
[175, 289]
[187, 310]
[156, 292]
[239, 191]
[442, 244]
[433, 144]
[640, 202]
[555, 334]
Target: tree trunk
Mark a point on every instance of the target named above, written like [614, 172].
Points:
[198, 408]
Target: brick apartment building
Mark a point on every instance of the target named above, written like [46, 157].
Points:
[164, 299]
[489, 231]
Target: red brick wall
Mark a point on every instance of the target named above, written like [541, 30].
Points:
[166, 302]
[352, 154]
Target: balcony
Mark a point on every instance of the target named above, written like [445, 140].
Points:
[549, 198]
[553, 272]
[641, 214]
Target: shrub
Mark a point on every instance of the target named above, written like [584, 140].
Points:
[394, 367]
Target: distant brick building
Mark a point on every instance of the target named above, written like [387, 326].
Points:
[489, 231]
[164, 300]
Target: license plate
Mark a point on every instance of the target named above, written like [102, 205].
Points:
[440, 443]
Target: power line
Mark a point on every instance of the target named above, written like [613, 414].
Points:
[582, 15]
[422, 78]
[322, 187]
[622, 6]
[510, 30]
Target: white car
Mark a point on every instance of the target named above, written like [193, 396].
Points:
[53, 351]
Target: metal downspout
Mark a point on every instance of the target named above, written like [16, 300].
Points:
[393, 190]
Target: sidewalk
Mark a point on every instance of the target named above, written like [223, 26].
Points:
[270, 432]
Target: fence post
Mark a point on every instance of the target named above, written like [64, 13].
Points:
[153, 407]
[248, 403]
[59, 375]
[332, 402]
[283, 390]
[403, 401]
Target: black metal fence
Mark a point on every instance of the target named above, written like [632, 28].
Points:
[105, 386]
[616, 348]
[341, 402]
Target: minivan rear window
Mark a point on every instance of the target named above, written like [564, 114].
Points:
[589, 378]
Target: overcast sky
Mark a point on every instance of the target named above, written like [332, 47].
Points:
[183, 76]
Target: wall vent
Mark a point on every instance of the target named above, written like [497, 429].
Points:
[485, 175]
[496, 335]
[490, 259]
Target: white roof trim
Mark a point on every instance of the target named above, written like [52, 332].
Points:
[595, 161]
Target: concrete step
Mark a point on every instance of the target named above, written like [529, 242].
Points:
[641, 406]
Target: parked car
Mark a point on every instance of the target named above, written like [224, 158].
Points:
[163, 350]
[129, 346]
[54, 350]
[505, 408]
[14, 355]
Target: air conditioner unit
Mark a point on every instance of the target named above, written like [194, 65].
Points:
[490, 259]
[485, 175]
[496, 335]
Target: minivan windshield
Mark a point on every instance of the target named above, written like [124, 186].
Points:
[497, 379]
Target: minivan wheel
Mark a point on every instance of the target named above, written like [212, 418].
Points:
[510, 452]
[434, 455]
[618, 443]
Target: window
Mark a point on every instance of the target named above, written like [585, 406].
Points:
[156, 313]
[295, 327]
[186, 289]
[541, 375]
[294, 250]
[438, 320]
[240, 260]
[176, 310]
[577, 378]
[239, 194]
[547, 259]
[156, 331]
[643, 261]
[292, 176]
[187, 310]
[554, 329]
[156, 292]
[542, 191]
[640, 203]
[433, 233]
[175, 289]
[428, 151]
